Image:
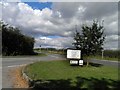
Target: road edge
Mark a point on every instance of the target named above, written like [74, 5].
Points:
[26, 78]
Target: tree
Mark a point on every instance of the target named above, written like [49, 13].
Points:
[90, 41]
[14, 42]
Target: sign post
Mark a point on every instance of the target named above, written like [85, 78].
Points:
[74, 56]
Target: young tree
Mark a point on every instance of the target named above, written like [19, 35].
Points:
[90, 41]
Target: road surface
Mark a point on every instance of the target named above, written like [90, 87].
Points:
[10, 63]
[106, 62]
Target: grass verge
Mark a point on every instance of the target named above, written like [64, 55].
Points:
[104, 58]
[41, 54]
[61, 74]
[23, 56]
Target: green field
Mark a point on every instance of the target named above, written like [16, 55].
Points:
[56, 74]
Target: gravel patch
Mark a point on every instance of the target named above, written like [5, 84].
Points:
[18, 81]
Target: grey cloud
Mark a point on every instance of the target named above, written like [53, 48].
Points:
[67, 9]
[111, 38]
[99, 10]
[61, 42]
[53, 25]
[111, 45]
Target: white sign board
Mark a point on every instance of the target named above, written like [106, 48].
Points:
[73, 54]
[73, 62]
[80, 62]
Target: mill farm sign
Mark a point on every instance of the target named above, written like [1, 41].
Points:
[74, 56]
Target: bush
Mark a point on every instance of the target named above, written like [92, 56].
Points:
[14, 42]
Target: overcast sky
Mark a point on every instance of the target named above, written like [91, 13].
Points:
[53, 24]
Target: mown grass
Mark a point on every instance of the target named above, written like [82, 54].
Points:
[61, 70]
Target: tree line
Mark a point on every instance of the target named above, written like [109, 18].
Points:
[14, 42]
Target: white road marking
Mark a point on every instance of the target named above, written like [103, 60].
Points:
[17, 65]
[13, 59]
[54, 56]
[111, 61]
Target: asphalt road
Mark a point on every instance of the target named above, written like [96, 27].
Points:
[106, 62]
[10, 63]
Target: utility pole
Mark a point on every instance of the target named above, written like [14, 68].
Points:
[102, 54]
[40, 48]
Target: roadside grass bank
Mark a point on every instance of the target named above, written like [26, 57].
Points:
[98, 57]
[41, 54]
[23, 56]
[57, 74]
